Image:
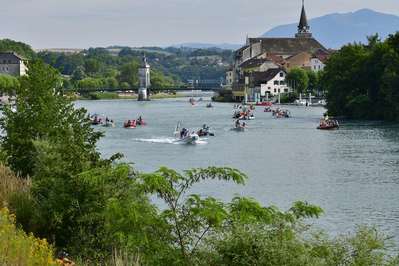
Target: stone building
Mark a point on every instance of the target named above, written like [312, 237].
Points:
[286, 53]
[12, 64]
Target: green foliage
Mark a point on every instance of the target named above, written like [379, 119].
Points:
[191, 217]
[128, 74]
[298, 79]
[362, 81]
[8, 83]
[7, 45]
[18, 248]
[102, 95]
[90, 84]
[42, 114]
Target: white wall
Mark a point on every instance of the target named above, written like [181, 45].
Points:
[316, 65]
[275, 86]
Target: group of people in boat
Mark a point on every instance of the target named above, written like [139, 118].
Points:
[243, 113]
[281, 113]
[97, 120]
[134, 122]
[239, 125]
[328, 123]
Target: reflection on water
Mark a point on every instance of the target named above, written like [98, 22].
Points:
[352, 172]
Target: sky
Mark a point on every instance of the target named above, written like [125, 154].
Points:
[100, 23]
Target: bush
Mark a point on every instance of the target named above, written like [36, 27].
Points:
[18, 248]
[10, 184]
[102, 95]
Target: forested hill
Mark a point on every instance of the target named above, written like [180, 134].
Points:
[117, 67]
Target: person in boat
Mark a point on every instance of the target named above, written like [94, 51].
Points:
[183, 132]
[237, 124]
[140, 120]
[243, 124]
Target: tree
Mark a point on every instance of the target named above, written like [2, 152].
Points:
[159, 81]
[55, 121]
[92, 66]
[78, 74]
[90, 84]
[298, 79]
[359, 76]
[7, 45]
[129, 73]
[8, 83]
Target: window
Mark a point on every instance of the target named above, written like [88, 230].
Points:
[281, 74]
[275, 90]
[276, 82]
[282, 82]
[285, 90]
[278, 90]
[4, 61]
[9, 61]
[269, 88]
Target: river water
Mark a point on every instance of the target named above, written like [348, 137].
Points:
[352, 173]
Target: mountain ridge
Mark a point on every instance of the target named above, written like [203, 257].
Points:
[337, 29]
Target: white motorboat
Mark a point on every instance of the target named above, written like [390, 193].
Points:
[185, 136]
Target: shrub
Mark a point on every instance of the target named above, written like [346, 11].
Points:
[18, 248]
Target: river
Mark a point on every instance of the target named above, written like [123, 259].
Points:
[352, 173]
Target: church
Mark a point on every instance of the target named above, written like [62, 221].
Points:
[263, 54]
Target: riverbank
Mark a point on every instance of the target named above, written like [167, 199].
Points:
[125, 96]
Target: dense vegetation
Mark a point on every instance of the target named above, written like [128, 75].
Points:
[362, 80]
[116, 68]
[7, 45]
[96, 208]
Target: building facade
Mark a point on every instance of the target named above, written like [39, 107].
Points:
[263, 54]
[13, 64]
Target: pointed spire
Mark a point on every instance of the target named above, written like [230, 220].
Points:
[303, 26]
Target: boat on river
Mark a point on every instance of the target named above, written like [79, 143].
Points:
[205, 132]
[328, 124]
[130, 124]
[185, 136]
[264, 104]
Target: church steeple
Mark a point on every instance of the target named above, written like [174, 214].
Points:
[303, 26]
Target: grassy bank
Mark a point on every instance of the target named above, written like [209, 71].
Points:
[114, 95]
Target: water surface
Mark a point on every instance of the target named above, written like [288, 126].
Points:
[352, 173]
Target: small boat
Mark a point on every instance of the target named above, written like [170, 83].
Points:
[130, 124]
[204, 132]
[109, 124]
[209, 105]
[184, 136]
[141, 123]
[264, 104]
[239, 128]
[328, 124]
[246, 117]
[267, 110]
[192, 101]
[328, 127]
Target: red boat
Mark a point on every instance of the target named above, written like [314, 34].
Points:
[130, 124]
[264, 104]
[328, 124]
[328, 127]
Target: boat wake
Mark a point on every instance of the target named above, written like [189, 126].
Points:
[168, 141]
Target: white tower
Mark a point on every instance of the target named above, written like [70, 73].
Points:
[145, 80]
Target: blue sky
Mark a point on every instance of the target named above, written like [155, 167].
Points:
[85, 23]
